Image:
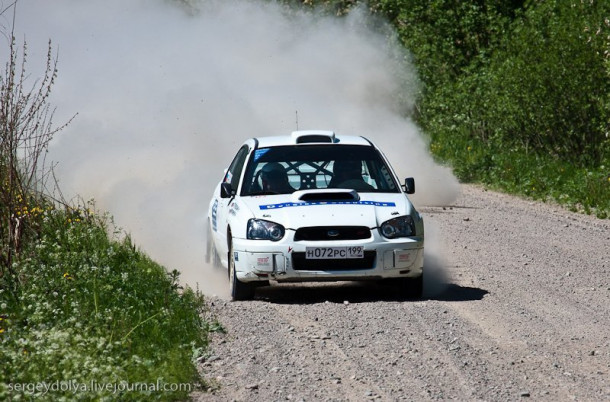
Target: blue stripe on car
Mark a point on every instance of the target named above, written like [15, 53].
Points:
[306, 204]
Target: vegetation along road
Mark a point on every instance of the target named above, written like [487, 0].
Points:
[515, 307]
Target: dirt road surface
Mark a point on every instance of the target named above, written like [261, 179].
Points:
[516, 307]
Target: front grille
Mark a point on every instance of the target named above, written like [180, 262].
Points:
[326, 233]
[300, 263]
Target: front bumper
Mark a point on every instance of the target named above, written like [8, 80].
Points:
[285, 261]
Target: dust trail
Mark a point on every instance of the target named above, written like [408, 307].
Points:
[436, 280]
[166, 95]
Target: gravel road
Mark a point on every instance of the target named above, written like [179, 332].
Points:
[516, 306]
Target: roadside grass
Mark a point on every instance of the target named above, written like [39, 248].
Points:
[539, 177]
[91, 310]
[84, 314]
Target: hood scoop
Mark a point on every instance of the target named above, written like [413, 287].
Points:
[322, 195]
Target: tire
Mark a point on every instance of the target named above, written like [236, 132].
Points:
[239, 290]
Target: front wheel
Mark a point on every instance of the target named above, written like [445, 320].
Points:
[239, 290]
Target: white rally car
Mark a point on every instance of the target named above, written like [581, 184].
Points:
[314, 206]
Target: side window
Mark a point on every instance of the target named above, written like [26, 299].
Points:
[236, 167]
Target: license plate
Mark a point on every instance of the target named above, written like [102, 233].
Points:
[327, 253]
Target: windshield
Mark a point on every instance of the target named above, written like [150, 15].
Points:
[283, 170]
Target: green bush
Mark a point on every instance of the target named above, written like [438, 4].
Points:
[516, 94]
[536, 114]
[548, 86]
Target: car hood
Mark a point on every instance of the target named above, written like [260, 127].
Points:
[318, 208]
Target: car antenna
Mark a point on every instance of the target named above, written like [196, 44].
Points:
[296, 113]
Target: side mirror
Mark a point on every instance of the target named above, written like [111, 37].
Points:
[225, 190]
[410, 185]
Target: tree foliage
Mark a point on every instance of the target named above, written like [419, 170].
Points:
[552, 75]
[510, 80]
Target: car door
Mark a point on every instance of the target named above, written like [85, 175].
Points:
[221, 205]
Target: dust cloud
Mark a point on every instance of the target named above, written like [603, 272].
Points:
[166, 92]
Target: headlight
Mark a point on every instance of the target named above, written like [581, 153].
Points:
[259, 229]
[402, 226]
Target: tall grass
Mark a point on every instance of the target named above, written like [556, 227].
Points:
[93, 311]
[534, 175]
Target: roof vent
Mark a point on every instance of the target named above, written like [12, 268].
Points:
[312, 136]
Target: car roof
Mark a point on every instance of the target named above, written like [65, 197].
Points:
[310, 137]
